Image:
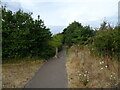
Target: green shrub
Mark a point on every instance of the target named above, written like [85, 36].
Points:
[75, 33]
[23, 36]
[106, 43]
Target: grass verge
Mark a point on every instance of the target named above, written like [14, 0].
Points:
[17, 74]
[95, 72]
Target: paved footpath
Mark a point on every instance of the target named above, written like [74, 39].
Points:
[52, 74]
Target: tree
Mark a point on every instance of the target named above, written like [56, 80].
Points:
[75, 33]
[22, 36]
[56, 42]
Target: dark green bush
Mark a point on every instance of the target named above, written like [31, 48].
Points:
[106, 43]
[22, 36]
[75, 33]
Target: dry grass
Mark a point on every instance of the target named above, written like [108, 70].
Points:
[18, 74]
[94, 73]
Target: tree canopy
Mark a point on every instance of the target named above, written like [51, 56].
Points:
[75, 33]
[22, 35]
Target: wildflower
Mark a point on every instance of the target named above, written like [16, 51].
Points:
[85, 75]
[106, 66]
[79, 74]
[101, 68]
[102, 61]
[111, 75]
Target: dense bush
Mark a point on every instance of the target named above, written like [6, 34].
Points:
[75, 33]
[22, 36]
[56, 40]
[102, 42]
[53, 43]
[106, 42]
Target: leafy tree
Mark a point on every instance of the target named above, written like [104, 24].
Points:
[75, 33]
[22, 36]
[56, 42]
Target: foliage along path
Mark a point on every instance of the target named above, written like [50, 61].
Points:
[52, 75]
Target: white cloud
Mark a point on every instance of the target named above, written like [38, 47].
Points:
[63, 12]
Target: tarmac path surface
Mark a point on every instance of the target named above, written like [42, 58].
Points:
[52, 74]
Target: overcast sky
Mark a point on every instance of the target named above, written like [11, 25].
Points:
[63, 12]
